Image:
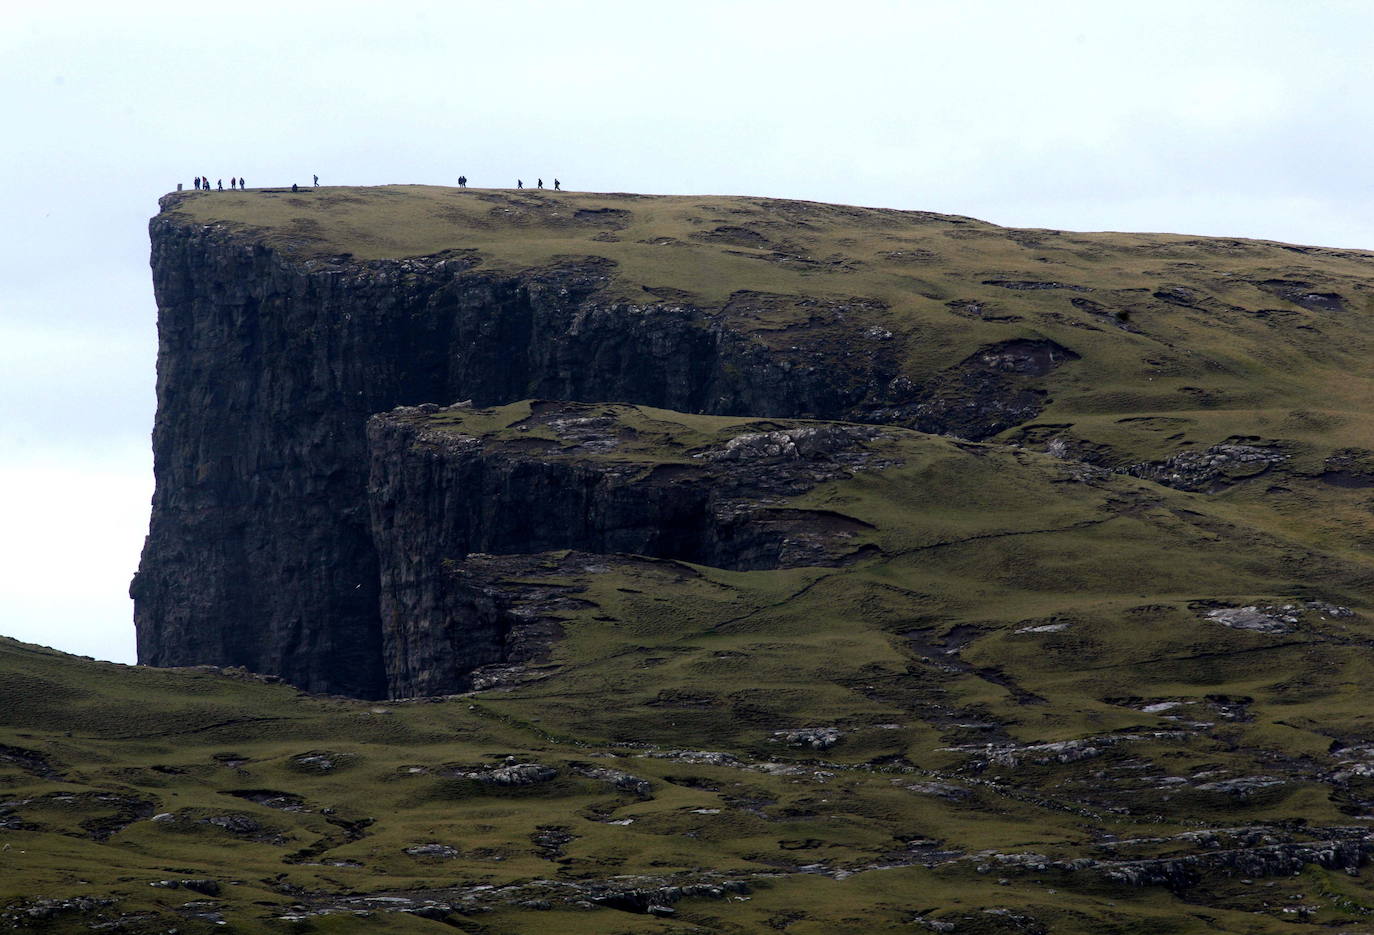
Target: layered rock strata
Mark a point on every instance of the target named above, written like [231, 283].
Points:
[573, 476]
[259, 551]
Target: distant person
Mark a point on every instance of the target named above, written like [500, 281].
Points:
[220, 183]
[197, 183]
[234, 183]
[462, 181]
[556, 186]
[541, 183]
[519, 183]
[294, 188]
[317, 181]
[240, 183]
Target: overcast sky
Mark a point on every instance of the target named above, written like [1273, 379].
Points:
[1247, 118]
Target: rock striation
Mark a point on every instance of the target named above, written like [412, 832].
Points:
[586, 478]
[260, 551]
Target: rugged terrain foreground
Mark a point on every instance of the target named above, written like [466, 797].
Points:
[722, 565]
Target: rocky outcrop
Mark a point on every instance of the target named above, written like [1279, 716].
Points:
[1212, 469]
[438, 495]
[259, 551]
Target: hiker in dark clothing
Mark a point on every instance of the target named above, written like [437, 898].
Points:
[240, 183]
[294, 188]
[462, 181]
[197, 183]
[317, 181]
[519, 183]
[556, 186]
[541, 183]
[234, 183]
[220, 182]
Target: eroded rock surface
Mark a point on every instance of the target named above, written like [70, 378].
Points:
[260, 552]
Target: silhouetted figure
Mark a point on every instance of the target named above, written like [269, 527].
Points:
[519, 183]
[462, 181]
[556, 186]
[220, 183]
[294, 188]
[197, 183]
[234, 183]
[240, 183]
[317, 181]
[541, 183]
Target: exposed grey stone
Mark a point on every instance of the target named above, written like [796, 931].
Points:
[816, 738]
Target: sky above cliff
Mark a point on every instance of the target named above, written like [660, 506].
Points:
[1234, 117]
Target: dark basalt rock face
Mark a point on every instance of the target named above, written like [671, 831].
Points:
[260, 552]
[437, 495]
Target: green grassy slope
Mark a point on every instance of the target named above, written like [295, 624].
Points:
[1024, 676]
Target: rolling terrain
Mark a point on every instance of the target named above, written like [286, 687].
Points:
[677, 564]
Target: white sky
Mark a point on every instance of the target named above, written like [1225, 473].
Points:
[1230, 117]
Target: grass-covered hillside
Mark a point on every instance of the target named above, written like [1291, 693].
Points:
[1104, 671]
[1041, 697]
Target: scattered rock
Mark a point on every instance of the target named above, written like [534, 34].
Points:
[623, 781]
[551, 840]
[808, 442]
[1242, 785]
[1274, 618]
[234, 824]
[1212, 469]
[816, 738]
[511, 775]
[440, 851]
[320, 761]
[942, 790]
[1260, 618]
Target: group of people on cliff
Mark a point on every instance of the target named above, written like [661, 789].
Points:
[519, 183]
[204, 182]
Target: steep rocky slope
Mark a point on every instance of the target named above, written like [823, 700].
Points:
[287, 319]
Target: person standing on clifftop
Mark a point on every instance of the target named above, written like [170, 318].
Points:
[233, 183]
[240, 183]
[541, 183]
[556, 186]
[197, 183]
[462, 181]
[220, 182]
[519, 183]
[317, 181]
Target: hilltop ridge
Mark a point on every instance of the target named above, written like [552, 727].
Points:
[1166, 323]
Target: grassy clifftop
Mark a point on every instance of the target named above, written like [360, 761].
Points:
[1182, 340]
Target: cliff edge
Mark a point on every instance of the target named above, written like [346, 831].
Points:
[287, 320]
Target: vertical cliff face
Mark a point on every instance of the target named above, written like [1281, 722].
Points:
[259, 551]
[582, 478]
